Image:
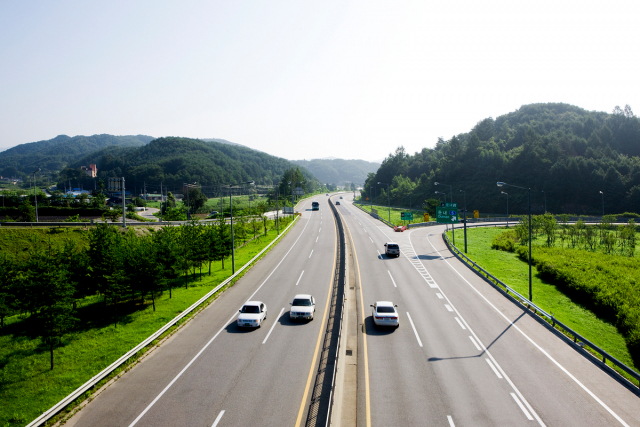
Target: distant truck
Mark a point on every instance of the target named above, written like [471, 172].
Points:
[315, 206]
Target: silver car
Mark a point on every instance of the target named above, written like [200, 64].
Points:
[385, 314]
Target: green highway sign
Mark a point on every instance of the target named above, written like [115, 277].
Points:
[406, 216]
[447, 213]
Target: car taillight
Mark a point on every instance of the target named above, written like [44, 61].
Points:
[379, 318]
[393, 318]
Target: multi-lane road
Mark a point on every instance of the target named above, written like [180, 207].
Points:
[462, 356]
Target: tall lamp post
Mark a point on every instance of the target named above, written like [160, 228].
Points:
[388, 199]
[35, 192]
[450, 190]
[602, 194]
[233, 251]
[545, 201]
[502, 192]
[464, 194]
[500, 184]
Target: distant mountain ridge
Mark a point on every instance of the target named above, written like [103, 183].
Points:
[54, 154]
[174, 161]
[339, 171]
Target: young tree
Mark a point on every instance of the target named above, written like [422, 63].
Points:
[549, 225]
[7, 280]
[51, 298]
[167, 254]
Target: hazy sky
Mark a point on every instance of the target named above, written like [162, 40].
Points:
[302, 79]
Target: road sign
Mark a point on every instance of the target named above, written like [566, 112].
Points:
[298, 191]
[406, 216]
[476, 214]
[426, 217]
[447, 214]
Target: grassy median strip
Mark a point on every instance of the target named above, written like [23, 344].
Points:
[28, 387]
[513, 271]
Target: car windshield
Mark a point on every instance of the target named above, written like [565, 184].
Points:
[392, 246]
[302, 302]
[386, 310]
[251, 309]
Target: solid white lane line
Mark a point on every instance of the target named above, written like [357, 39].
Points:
[218, 418]
[394, 282]
[522, 406]
[451, 424]
[460, 323]
[414, 329]
[562, 368]
[274, 324]
[311, 253]
[371, 239]
[475, 343]
[317, 239]
[439, 295]
[495, 371]
[216, 335]
[299, 277]
[448, 307]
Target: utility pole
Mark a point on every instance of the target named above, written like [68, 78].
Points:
[124, 214]
[277, 209]
[161, 200]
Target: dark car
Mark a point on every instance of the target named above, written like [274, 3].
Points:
[337, 203]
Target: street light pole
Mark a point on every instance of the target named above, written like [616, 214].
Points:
[233, 248]
[464, 193]
[500, 184]
[502, 192]
[388, 199]
[35, 192]
[601, 193]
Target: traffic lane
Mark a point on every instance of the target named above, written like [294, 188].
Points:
[450, 363]
[143, 383]
[535, 373]
[244, 366]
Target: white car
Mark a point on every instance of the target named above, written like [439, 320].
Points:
[302, 307]
[385, 314]
[391, 249]
[252, 314]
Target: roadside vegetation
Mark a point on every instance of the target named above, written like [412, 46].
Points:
[590, 288]
[72, 302]
[383, 212]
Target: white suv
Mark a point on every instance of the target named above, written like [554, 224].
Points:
[391, 249]
[302, 307]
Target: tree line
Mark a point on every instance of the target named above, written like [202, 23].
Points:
[569, 153]
[45, 286]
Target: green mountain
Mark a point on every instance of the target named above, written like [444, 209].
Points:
[339, 171]
[174, 161]
[54, 154]
[569, 153]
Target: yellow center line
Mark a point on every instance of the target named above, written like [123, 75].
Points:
[364, 331]
[315, 354]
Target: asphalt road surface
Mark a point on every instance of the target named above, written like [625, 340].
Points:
[464, 355]
[212, 373]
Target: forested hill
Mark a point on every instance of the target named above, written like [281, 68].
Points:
[339, 171]
[174, 161]
[54, 154]
[569, 153]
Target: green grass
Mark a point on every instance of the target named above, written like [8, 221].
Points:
[383, 212]
[509, 268]
[28, 387]
[18, 241]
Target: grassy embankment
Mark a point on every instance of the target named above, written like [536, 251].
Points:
[512, 270]
[383, 212]
[28, 387]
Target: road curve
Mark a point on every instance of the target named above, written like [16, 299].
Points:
[464, 355]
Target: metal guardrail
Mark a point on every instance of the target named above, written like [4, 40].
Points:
[105, 372]
[549, 318]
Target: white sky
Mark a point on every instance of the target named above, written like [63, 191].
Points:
[302, 79]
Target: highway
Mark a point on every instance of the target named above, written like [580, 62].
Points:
[212, 373]
[463, 355]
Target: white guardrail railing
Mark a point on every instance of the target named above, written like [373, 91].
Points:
[105, 372]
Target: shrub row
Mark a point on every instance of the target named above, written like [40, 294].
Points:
[609, 284]
[54, 211]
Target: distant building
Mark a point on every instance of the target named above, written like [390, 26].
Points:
[92, 170]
